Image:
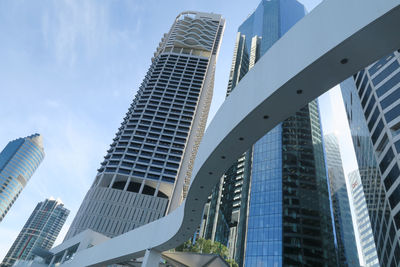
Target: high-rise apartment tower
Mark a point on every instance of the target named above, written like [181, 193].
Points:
[372, 101]
[147, 169]
[39, 232]
[18, 161]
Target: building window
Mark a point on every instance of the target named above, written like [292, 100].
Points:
[386, 72]
[394, 198]
[392, 82]
[392, 114]
[379, 64]
[392, 177]
[386, 160]
[377, 131]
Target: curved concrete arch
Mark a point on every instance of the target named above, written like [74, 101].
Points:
[337, 39]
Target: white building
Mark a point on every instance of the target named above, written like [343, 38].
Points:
[147, 170]
[363, 223]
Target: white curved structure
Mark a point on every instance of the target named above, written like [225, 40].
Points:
[334, 41]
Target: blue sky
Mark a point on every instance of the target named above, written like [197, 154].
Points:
[69, 70]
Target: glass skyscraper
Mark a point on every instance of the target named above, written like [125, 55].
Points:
[363, 223]
[346, 242]
[284, 185]
[146, 172]
[18, 161]
[39, 232]
[372, 101]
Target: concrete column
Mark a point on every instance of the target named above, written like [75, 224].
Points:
[215, 222]
[98, 181]
[63, 257]
[52, 260]
[128, 181]
[142, 186]
[152, 258]
[112, 181]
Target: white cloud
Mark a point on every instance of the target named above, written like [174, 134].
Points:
[70, 25]
[74, 28]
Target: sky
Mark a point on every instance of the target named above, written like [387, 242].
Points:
[69, 70]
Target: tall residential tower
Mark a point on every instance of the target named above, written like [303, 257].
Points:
[39, 232]
[147, 169]
[18, 161]
[279, 186]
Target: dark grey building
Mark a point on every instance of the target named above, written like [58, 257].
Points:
[372, 100]
[346, 242]
[146, 172]
[39, 232]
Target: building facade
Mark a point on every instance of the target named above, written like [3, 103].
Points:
[372, 98]
[225, 214]
[39, 232]
[363, 223]
[346, 242]
[281, 182]
[147, 170]
[18, 161]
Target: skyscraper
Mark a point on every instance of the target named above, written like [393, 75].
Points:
[288, 221]
[372, 103]
[18, 161]
[147, 169]
[39, 232]
[363, 224]
[346, 242]
[225, 216]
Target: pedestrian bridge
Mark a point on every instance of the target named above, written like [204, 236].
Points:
[334, 41]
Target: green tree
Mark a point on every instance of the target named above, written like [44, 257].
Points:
[207, 246]
[232, 263]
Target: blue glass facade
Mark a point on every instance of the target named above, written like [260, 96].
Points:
[264, 245]
[270, 21]
[18, 161]
[264, 232]
[289, 221]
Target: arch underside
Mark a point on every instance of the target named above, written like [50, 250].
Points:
[334, 41]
